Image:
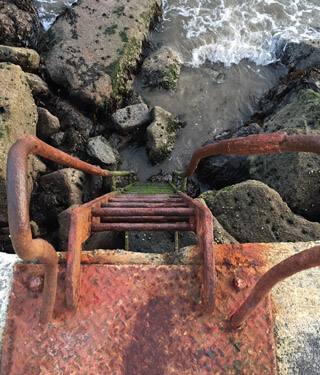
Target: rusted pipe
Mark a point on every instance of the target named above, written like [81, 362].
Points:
[256, 144]
[302, 261]
[18, 211]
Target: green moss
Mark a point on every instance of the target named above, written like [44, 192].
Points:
[110, 30]
[124, 36]
[171, 77]
[127, 60]
[174, 126]
[118, 10]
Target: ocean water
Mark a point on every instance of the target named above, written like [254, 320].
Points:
[228, 52]
[49, 9]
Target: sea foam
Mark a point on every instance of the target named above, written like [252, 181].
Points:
[228, 31]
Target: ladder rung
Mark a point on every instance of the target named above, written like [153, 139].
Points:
[143, 211]
[144, 204]
[151, 198]
[142, 227]
[142, 219]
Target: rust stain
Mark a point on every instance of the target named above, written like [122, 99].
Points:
[136, 320]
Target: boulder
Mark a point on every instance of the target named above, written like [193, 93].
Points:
[47, 125]
[27, 58]
[151, 242]
[301, 56]
[55, 192]
[224, 170]
[161, 69]
[279, 96]
[38, 87]
[18, 116]
[100, 149]
[221, 236]
[161, 134]
[19, 23]
[128, 119]
[253, 212]
[92, 50]
[76, 126]
[295, 176]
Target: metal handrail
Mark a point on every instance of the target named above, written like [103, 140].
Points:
[265, 144]
[24, 245]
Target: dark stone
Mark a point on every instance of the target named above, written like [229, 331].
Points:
[224, 170]
[303, 55]
[19, 23]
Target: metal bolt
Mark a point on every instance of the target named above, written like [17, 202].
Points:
[36, 284]
[239, 283]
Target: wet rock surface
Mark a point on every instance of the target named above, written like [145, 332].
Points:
[75, 126]
[93, 48]
[253, 212]
[18, 116]
[305, 55]
[161, 134]
[100, 149]
[128, 119]
[19, 23]
[161, 69]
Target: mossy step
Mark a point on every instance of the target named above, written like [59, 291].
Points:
[149, 188]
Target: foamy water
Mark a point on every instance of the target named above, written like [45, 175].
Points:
[228, 31]
[228, 49]
[49, 9]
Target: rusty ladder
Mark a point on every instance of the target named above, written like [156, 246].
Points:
[173, 211]
[142, 207]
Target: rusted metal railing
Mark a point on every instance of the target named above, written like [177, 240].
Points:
[265, 144]
[302, 261]
[18, 211]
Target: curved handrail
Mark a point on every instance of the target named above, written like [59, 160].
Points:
[265, 144]
[256, 144]
[302, 261]
[24, 245]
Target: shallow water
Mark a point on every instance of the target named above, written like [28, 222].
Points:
[228, 49]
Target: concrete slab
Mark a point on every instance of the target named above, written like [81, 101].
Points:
[296, 305]
[7, 263]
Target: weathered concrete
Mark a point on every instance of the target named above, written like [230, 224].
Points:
[297, 321]
[93, 48]
[7, 263]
